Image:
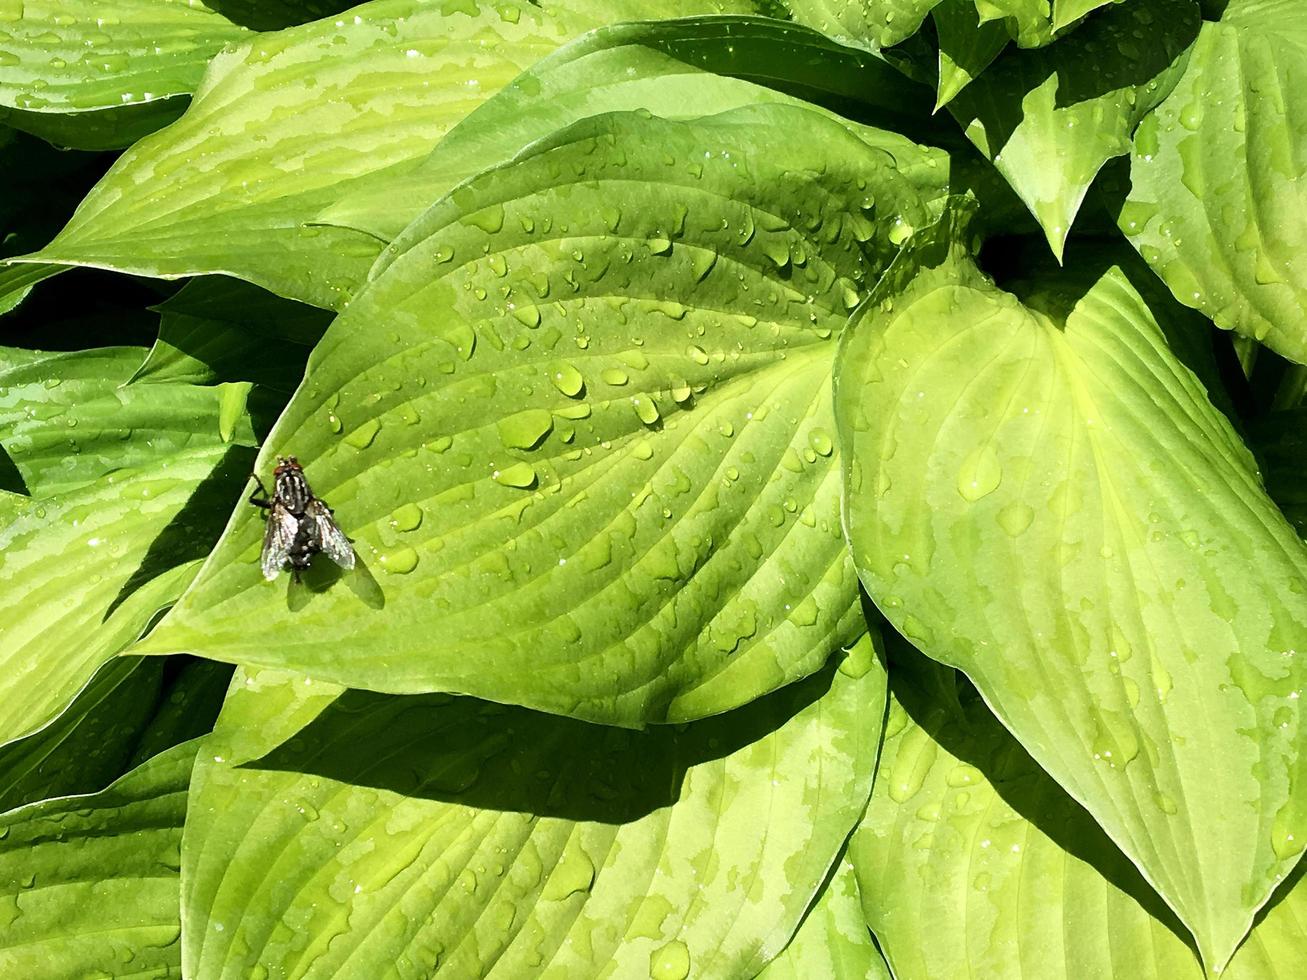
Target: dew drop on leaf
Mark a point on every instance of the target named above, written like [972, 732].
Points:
[670, 962]
[980, 474]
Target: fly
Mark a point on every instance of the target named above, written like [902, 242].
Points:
[299, 524]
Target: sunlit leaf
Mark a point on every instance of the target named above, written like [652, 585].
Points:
[1050, 119]
[1044, 497]
[833, 941]
[873, 23]
[89, 884]
[966, 47]
[429, 832]
[102, 73]
[677, 69]
[591, 398]
[1217, 205]
[128, 489]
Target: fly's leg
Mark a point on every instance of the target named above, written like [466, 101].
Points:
[265, 503]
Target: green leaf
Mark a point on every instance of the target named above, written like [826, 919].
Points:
[1216, 205]
[589, 397]
[89, 884]
[128, 486]
[103, 73]
[273, 15]
[291, 121]
[1029, 22]
[833, 941]
[187, 706]
[966, 47]
[89, 744]
[1049, 119]
[679, 69]
[1045, 498]
[427, 832]
[871, 23]
[218, 330]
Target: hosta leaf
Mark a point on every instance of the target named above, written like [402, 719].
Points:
[1216, 205]
[417, 833]
[187, 707]
[289, 122]
[966, 47]
[1028, 21]
[678, 69]
[1045, 498]
[964, 827]
[103, 73]
[590, 398]
[89, 885]
[833, 941]
[1050, 119]
[217, 330]
[89, 744]
[127, 485]
[273, 15]
[873, 23]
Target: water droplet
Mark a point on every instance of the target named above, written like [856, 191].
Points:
[646, 409]
[363, 436]
[980, 474]
[566, 379]
[820, 440]
[1015, 518]
[915, 756]
[574, 873]
[407, 517]
[398, 561]
[614, 376]
[525, 430]
[520, 475]
[697, 354]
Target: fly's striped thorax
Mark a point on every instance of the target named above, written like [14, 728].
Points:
[293, 491]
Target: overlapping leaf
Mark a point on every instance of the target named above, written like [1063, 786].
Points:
[1217, 205]
[103, 73]
[677, 69]
[966, 46]
[89, 884]
[873, 23]
[125, 485]
[1046, 498]
[833, 941]
[1049, 119]
[963, 827]
[428, 833]
[590, 398]
[291, 121]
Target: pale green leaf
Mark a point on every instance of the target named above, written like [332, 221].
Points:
[1046, 499]
[1217, 204]
[1049, 119]
[404, 835]
[680, 69]
[589, 400]
[89, 884]
[1029, 22]
[833, 941]
[870, 23]
[129, 488]
[964, 828]
[966, 47]
[103, 73]
[287, 123]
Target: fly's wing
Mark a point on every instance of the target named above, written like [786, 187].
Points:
[331, 539]
[277, 540]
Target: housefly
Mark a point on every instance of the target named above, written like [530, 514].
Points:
[299, 524]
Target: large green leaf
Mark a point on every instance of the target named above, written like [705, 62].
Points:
[1049, 119]
[1217, 205]
[589, 402]
[833, 941]
[679, 69]
[89, 884]
[289, 122]
[417, 833]
[103, 73]
[125, 484]
[1044, 497]
[964, 828]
